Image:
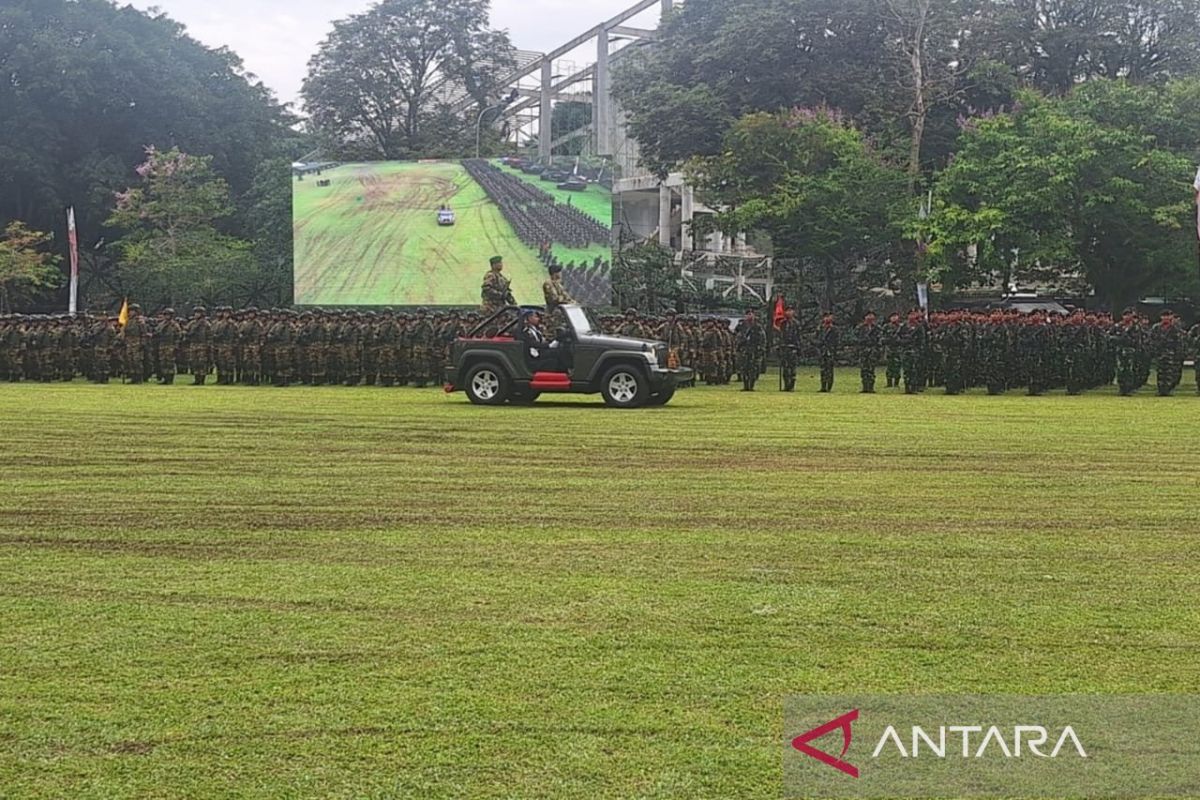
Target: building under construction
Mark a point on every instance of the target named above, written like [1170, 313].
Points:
[645, 207]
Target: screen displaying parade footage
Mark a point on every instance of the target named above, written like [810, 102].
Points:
[422, 233]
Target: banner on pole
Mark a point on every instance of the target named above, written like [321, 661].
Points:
[73, 246]
[923, 296]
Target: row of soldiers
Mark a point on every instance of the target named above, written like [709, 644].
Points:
[999, 351]
[249, 347]
[958, 350]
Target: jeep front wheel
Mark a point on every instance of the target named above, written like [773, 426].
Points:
[487, 385]
[623, 387]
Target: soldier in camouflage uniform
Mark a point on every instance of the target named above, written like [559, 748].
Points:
[750, 342]
[223, 336]
[1126, 339]
[133, 340]
[914, 340]
[10, 350]
[1167, 343]
[1074, 350]
[422, 337]
[167, 336]
[828, 342]
[892, 337]
[280, 340]
[103, 337]
[497, 289]
[868, 341]
[251, 334]
[791, 342]
[631, 326]
[196, 336]
[387, 339]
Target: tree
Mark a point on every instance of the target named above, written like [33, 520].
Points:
[25, 266]
[809, 179]
[1055, 44]
[171, 249]
[718, 60]
[86, 84]
[381, 75]
[1076, 188]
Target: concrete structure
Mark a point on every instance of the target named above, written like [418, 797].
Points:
[644, 206]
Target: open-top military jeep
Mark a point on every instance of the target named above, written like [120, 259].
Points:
[492, 366]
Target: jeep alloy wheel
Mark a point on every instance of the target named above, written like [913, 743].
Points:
[487, 386]
[623, 387]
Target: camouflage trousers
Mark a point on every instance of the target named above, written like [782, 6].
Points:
[225, 356]
[166, 362]
[251, 364]
[7, 373]
[135, 360]
[827, 366]
[388, 362]
[1127, 372]
[1170, 374]
[866, 372]
[788, 359]
[421, 356]
[281, 364]
[200, 361]
[895, 368]
[351, 363]
[317, 365]
[101, 356]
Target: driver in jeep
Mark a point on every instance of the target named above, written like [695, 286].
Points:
[542, 354]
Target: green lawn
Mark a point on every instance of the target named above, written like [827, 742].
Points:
[376, 593]
[372, 238]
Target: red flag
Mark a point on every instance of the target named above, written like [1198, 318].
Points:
[780, 313]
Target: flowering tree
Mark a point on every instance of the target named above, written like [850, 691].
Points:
[172, 249]
[25, 266]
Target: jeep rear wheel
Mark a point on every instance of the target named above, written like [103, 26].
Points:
[623, 387]
[487, 385]
[662, 398]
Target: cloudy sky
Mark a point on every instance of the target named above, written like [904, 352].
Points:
[275, 38]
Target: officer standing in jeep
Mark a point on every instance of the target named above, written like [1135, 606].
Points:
[497, 289]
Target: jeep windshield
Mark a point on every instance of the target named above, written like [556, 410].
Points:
[582, 320]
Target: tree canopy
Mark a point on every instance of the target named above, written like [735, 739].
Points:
[379, 83]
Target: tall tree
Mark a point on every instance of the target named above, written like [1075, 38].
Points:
[86, 84]
[717, 60]
[1055, 44]
[1083, 188]
[171, 249]
[809, 179]
[381, 75]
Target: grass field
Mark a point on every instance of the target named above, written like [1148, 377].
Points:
[372, 238]
[378, 593]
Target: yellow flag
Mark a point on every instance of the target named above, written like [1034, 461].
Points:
[123, 317]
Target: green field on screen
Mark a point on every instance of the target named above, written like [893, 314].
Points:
[371, 237]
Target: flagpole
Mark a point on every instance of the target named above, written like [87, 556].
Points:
[73, 245]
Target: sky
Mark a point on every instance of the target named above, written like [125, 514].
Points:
[275, 38]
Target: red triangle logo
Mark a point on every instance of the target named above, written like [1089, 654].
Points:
[801, 743]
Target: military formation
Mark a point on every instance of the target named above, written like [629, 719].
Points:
[996, 351]
[279, 347]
